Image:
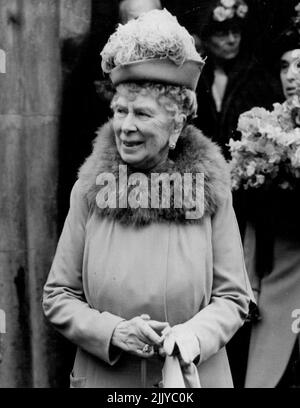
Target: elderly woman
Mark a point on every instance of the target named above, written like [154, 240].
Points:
[272, 252]
[133, 284]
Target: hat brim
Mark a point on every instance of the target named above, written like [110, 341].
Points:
[159, 70]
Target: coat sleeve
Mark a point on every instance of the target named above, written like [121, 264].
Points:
[216, 323]
[64, 302]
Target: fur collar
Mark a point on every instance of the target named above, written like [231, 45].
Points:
[194, 153]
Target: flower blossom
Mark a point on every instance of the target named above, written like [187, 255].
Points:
[251, 168]
[228, 3]
[220, 14]
[242, 10]
[295, 160]
[260, 179]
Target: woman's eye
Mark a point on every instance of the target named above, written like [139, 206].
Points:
[120, 111]
[284, 67]
[143, 114]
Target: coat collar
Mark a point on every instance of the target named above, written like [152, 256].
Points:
[238, 75]
[194, 153]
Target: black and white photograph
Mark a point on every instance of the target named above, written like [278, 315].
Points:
[150, 196]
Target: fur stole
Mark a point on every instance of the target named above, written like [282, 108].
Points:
[194, 153]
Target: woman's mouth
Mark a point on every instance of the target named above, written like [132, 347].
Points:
[131, 143]
[291, 90]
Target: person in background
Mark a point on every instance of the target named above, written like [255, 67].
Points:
[232, 81]
[272, 253]
[129, 9]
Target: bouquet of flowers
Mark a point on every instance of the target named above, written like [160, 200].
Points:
[268, 153]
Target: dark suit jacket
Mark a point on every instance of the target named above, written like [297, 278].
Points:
[249, 84]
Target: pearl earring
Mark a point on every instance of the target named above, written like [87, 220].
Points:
[172, 146]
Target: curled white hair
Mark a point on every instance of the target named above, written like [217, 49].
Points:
[155, 34]
[174, 99]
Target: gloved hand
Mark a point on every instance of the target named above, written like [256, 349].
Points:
[182, 341]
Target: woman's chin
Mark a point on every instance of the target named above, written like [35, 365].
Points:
[131, 159]
[231, 55]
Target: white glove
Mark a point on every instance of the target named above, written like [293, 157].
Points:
[185, 340]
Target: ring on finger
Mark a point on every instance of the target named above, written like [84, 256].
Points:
[147, 349]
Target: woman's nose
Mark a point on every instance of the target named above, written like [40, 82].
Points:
[231, 37]
[128, 124]
[290, 75]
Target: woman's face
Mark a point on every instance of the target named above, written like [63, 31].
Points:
[224, 44]
[288, 74]
[142, 129]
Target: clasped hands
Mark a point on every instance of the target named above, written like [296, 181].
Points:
[144, 337]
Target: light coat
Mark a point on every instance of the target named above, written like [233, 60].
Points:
[114, 265]
[278, 291]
